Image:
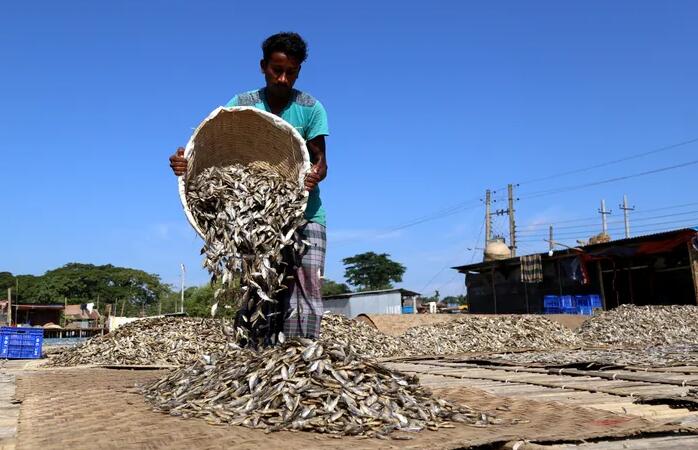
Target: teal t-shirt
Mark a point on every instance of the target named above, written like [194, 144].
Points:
[308, 116]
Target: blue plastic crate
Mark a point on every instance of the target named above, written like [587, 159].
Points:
[551, 301]
[567, 301]
[551, 310]
[21, 343]
[407, 310]
[582, 301]
[584, 310]
[569, 310]
[595, 301]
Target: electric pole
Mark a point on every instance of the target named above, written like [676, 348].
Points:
[488, 217]
[604, 213]
[9, 307]
[512, 222]
[626, 215]
[182, 288]
[550, 239]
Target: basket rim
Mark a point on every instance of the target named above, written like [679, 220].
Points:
[274, 119]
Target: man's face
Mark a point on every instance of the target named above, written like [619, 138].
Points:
[280, 72]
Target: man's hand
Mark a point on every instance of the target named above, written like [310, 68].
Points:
[178, 162]
[313, 178]
[316, 147]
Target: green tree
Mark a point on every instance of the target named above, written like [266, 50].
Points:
[330, 287]
[7, 280]
[370, 271]
[457, 299]
[133, 290]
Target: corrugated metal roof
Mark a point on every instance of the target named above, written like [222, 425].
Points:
[614, 243]
[362, 293]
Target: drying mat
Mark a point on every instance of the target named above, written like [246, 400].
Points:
[99, 408]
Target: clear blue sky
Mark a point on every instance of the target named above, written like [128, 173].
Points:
[429, 105]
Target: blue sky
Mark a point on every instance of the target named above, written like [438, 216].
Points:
[429, 105]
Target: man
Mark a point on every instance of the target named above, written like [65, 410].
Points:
[283, 55]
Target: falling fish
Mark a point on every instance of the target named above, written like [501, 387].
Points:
[249, 215]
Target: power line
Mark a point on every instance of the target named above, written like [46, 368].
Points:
[609, 163]
[608, 180]
[572, 234]
[613, 222]
[474, 251]
[465, 205]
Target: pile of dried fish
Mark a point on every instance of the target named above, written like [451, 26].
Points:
[642, 326]
[365, 339]
[306, 385]
[161, 341]
[662, 356]
[249, 215]
[488, 334]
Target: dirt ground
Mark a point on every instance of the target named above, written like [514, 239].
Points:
[101, 408]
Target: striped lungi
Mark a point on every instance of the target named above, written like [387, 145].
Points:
[303, 300]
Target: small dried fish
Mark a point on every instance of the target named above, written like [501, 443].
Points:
[246, 387]
[159, 341]
[642, 326]
[249, 215]
[488, 334]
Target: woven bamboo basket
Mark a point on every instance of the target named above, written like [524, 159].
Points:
[247, 136]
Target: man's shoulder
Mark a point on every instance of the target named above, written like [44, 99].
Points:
[249, 98]
[304, 99]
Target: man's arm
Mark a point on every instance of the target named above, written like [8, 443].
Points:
[316, 147]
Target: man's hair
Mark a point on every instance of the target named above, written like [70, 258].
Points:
[292, 44]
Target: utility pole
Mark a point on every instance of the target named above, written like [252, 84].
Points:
[550, 239]
[488, 217]
[9, 307]
[626, 215]
[512, 222]
[182, 288]
[604, 213]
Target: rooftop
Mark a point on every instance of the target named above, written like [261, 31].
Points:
[656, 241]
[404, 292]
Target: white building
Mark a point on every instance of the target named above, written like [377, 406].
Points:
[388, 301]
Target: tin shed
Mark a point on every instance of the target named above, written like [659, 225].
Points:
[388, 301]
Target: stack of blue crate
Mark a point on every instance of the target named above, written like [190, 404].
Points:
[568, 305]
[583, 304]
[21, 343]
[595, 301]
[551, 304]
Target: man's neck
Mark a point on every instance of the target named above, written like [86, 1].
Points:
[276, 103]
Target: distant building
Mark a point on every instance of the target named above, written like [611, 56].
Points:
[81, 316]
[387, 301]
[32, 315]
[653, 269]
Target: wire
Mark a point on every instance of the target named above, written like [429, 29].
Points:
[610, 223]
[681, 223]
[596, 218]
[608, 180]
[474, 251]
[609, 163]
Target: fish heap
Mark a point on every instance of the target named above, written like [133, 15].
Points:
[160, 341]
[249, 215]
[661, 356]
[365, 339]
[642, 326]
[305, 385]
[488, 334]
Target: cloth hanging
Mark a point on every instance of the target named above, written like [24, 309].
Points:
[531, 269]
